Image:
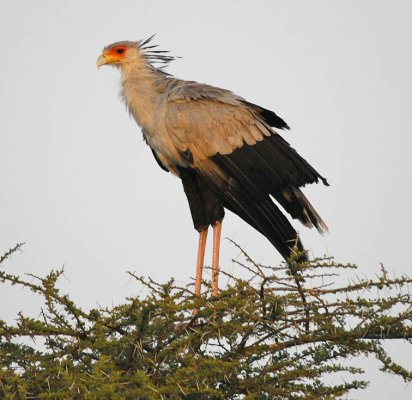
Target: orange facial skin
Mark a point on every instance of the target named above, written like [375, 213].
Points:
[113, 55]
[117, 51]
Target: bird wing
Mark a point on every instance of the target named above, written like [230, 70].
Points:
[231, 144]
[204, 121]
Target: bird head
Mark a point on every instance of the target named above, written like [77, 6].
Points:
[124, 53]
[119, 53]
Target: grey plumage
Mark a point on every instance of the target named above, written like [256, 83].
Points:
[229, 145]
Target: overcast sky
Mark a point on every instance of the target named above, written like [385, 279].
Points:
[80, 187]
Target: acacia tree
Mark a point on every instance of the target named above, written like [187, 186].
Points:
[275, 335]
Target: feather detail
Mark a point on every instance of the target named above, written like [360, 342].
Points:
[155, 56]
[224, 149]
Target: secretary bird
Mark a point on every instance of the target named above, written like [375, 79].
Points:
[225, 150]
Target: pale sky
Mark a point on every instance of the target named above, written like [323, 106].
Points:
[80, 187]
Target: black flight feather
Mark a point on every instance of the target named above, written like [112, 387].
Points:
[270, 168]
[268, 116]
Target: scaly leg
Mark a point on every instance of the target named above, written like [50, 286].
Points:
[217, 229]
[199, 266]
[200, 260]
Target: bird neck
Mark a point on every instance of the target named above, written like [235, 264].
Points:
[140, 91]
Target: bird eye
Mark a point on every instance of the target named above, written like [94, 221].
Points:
[120, 51]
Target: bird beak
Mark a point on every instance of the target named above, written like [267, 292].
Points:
[103, 59]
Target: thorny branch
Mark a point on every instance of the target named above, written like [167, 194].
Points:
[263, 334]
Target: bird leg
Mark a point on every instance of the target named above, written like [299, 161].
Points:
[217, 229]
[200, 260]
[199, 266]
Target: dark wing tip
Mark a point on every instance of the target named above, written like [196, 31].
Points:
[268, 116]
[273, 119]
[324, 181]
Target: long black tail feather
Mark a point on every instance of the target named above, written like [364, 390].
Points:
[266, 218]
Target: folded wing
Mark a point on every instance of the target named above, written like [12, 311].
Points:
[230, 144]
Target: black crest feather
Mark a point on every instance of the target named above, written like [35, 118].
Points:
[155, 56]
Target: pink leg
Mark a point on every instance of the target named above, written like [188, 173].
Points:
[200, 261]
[217, 229]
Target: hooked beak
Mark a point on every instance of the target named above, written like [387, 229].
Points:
[102, 60]
[108, 58]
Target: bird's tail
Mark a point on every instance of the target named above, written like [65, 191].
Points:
[266, 218]
[298, 206]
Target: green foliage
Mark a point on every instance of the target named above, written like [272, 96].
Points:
[273, 336]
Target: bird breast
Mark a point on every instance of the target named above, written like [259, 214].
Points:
[148, 106]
